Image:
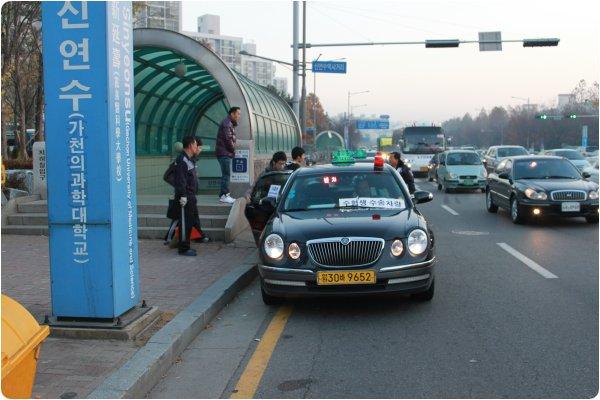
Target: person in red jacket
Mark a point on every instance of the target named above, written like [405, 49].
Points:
[225, 150]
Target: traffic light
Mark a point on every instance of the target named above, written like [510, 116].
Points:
[540, 42]
[541, 116]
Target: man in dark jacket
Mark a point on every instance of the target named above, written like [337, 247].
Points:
[404, 170]
[297, 159]
[225, 149]
[186, 186]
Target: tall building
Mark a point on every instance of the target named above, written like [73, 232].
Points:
[157, 14]
[226, 47]
[229, 47]
[260, 71]
[281, 84]
[564, 100]
[209, 23]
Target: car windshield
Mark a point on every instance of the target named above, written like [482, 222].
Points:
[511, 151]
[569, 154]
[545, 169]
[465, 158]
[344, 190]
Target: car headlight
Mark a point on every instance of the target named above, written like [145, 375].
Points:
[397, 248]
[274, 245]
[417, 242]
[593, 195]
[535, 195]
[294, 251]
[452, 175]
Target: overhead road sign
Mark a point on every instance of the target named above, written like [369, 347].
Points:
[490, 41]
[372, 124]
[330, 67]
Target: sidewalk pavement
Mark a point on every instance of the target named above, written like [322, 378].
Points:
[70, 368]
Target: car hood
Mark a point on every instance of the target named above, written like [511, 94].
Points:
[558, 184]
[315, 224]
[465, 169]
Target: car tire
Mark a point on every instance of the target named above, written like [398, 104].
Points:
[592, 219]
[516, 214]
[447, 189]
[482, 190]
[430, 179]
[439, 186]
[489, 202]
[270, 300]
[427, 295]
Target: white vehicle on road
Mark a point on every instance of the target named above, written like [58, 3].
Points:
[420, 144]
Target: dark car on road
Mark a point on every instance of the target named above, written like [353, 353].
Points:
[341, 230]
[536, 186]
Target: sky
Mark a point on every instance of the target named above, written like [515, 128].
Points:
[413, 84]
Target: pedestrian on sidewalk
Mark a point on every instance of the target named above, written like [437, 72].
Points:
[404, 170]
[186, 186]
[225, 149]
[297, 159]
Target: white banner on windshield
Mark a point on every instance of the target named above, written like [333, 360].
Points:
[372, 202]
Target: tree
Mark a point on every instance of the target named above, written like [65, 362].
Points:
[22, 86]
[283, 94]
[322, 122]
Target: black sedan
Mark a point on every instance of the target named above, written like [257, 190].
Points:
[341, 230]
[537, 186]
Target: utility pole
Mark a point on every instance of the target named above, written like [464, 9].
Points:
[303, 104]
[315, 98]
[296, 62]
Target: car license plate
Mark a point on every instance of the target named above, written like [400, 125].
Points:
[467, 182]
[359, 277]
[570, 206]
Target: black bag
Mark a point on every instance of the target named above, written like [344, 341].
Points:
[174, 210]
[169, 175]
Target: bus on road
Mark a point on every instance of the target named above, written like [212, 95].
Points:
[420, 144]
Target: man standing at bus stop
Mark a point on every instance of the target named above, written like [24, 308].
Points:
[225, 150]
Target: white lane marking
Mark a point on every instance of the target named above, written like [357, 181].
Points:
[451, 211]
[527, 261]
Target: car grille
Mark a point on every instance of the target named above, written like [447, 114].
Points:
[331, 252]
[467, 177]
[568, 195]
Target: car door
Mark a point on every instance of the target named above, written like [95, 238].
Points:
[258, 211]
[495, 185]
[505, 183]
[491, 161]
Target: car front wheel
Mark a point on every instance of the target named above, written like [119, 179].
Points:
[489, 202]
[516, 212]
[592, 219]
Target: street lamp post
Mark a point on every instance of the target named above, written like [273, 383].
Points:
[347, 126]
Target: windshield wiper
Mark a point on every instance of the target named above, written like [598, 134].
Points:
[296, 209]
[560, 177]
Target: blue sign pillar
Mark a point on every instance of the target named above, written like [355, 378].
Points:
[90, 153]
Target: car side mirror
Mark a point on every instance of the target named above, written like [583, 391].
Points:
[586, 174]
[504, 175]
[422, 196]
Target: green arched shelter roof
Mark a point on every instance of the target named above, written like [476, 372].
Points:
[169, 105]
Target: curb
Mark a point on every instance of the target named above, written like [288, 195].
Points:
[147, 366]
